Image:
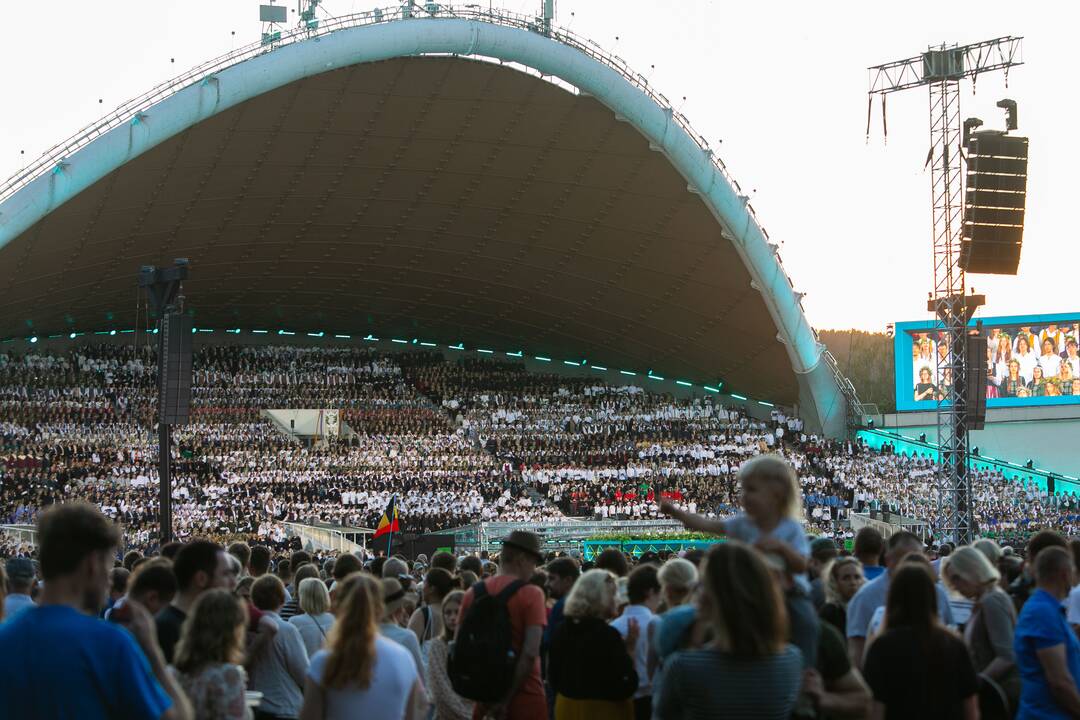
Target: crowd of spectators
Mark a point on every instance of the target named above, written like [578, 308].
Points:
[456, 442]
[772, 623]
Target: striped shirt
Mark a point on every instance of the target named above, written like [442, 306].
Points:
[713, 684]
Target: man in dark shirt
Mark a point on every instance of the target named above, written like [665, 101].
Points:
[562, 573]
[199, 566]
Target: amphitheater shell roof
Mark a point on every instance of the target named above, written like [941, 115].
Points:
[452, 179]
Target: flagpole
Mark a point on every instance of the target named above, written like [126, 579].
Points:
[390, 540]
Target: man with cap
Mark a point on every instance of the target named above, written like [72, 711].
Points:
[20, 573]
[528, 615]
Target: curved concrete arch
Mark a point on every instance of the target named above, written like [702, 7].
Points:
[818, 390]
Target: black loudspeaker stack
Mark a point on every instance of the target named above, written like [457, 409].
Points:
[975, 374]
[994, 204]
[174, 400]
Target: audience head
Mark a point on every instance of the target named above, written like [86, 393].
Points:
[130, 557]
[314, 598]
[118, 580]
[393, 597]
[242, 552]
[201, 565]
[212, 633]
[472, 564]
[614, 561]
[298, 558]
[169, 549]
[912, 599]
[395, 568]
[259, 561]
[305, 572]
[968, 572]
[593, 596]
[843, 578]
[743, 602]
[444, 560]
[1054, 571]
[468, 578]
[284, 571]
[153, 585]
[451, 607]
[351, 640]
[769, 487]
[20, 575]
[900, 545]
[268, 593]
[76, 547]
[678, 577]
[561, 575]
[520, 554]
[643, 587]
[243, 588]
[1042, 540]
[346, 565]
[990, 549]
[822, 552]
[437, 585]
[869, 544]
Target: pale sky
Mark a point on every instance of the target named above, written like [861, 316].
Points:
[782, 84]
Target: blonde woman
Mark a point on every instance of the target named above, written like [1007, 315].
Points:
[989, 632]
[314, 625]
[361, 673]
[843, 578]
[208, 657]
[448, 704]
[678, 578]
[590, 665]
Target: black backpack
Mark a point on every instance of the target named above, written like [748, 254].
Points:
[482, 658]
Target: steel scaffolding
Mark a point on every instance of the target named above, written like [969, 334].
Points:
[941, 69]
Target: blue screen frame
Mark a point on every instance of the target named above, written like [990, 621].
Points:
[902, 346]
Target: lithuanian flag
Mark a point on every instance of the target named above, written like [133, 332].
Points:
[389, 522]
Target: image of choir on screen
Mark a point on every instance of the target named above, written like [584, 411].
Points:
[1022, 361]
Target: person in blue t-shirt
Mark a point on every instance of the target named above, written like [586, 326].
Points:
[58, 660]
[1047, 651]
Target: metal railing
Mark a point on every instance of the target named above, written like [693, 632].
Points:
[329, 538]
[128, 111]
[21, 533]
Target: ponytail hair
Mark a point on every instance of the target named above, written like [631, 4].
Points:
[351, 640]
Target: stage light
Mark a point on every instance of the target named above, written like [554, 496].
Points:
[33, 339]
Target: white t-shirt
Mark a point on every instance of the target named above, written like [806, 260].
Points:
[392, 680]
[1072, 606]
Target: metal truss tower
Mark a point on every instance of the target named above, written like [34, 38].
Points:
[941, 69]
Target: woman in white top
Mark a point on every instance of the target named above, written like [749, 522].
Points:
[315, 623]
[362, 673]
[208, 657]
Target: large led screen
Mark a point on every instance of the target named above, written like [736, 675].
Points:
[1030, 360]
